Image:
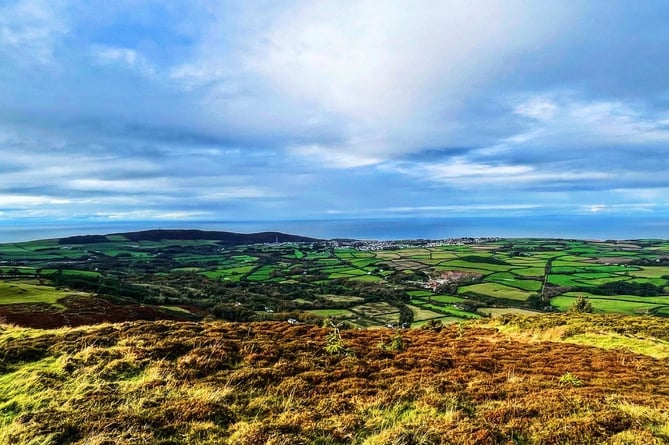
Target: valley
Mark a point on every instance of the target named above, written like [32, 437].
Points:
[193, 275]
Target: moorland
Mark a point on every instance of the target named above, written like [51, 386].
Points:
[510, 380]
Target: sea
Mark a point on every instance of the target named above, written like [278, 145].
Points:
[590, 227]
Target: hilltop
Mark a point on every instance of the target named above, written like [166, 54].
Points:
[515, 381]
[224, 238]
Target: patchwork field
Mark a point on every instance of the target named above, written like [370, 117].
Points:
[412, 281]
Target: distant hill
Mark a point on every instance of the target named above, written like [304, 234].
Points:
[227, 238]
[84, 239]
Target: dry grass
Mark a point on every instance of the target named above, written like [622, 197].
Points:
[269, 383]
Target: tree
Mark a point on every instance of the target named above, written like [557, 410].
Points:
[581, 306]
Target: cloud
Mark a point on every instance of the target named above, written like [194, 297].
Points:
[142, 109]
[393, 74]
[31, 30]
[459, 173]
[536, 108]
[569, 119]
[328, 157]
[124, 57]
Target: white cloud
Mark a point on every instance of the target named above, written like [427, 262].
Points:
[392, 72]
[238, 192]
[612, 208]
[460, 168]
[155, 185]
[537, 108]
[22, 201]
[151, 214]
[30, 31]
[463, 174]
[597, 208]
[328, 157]
[125, 57]
[459, 208]
[570, 121]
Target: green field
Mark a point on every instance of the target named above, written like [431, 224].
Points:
[377, 284]
[16, 293]
[332, 313]
[607, 305]
[446, 299]
[451, 311]
[496, 290]
[420, 314]
[498, 312]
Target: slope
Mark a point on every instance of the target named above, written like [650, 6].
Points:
[222, 383]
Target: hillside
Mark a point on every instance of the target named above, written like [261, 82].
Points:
[169, 382]
[228, 238]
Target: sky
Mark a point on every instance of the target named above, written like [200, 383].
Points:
[271, 110]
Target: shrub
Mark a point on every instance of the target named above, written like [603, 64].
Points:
[581, 306]
[334, 344]
[395, 343]
[570, 379]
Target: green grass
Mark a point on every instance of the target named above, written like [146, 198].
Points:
[656, 348]
[501, 276]
[576, 264]
[261, 274]
[186, 269]
[372, 310]
[480, 266]
[530, 272]
[348, 274]
[302, 301]
[16, 292]
[640, 335]
[230, 274]
[600, 281]
[419, 293]
[331, 313]
[589, 269]
[498, 312]
[565, 280]
[462, 269]
[509, 279]
[663, 311]
[660, 282]
[420, 314]
[651, 271]
[328, 262]
[634, 298]
[367, 278]
[606, 305]
[364, 262]
[446, 299]
[528, 285]
[496, 290]
[449, 310]
[342, 299]
[245, 258]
